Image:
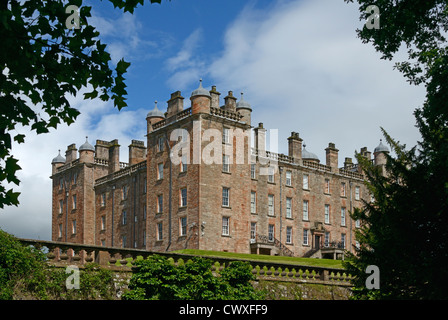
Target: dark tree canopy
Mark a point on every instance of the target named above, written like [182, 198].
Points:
[41, 63]
[405, 230]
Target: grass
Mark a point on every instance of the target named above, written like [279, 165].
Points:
[327, 263]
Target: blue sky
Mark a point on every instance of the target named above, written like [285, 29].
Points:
[299, 63]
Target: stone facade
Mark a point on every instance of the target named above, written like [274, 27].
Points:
[198, 184]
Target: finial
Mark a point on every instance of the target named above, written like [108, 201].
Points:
[242, 94]
[381, 140]
[155, 104]
[200, 82]
[86, 138]
[304, 146]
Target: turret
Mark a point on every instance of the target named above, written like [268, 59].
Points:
[244, 108]
[86, 152]
[57, 162]
[200, 100]
[154, 116]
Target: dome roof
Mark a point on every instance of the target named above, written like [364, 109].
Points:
[306, 155]
[200, 91]
[86, 146]
[381, 147]
[243, 104]
[58, 159]
[155, 113]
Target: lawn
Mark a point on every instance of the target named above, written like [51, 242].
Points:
[327, 263]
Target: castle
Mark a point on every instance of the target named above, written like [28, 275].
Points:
[198, 184]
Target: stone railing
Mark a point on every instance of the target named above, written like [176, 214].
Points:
[125, 170]
[318, 166]
[225, 114]
[64, 254]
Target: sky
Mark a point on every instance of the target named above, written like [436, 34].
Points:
[298, 62]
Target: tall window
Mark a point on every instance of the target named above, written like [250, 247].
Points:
[225, 197]
[123, 241]
[160, 231]
[160, 203]
[103, 199]
[183, 164]
[288, 234]
[271, 174]
[226, 135]
[253, 202]
[183, 197]
[74, 226]
[288, 178]
[327, 213]
[253, 232]
[327, 239]
[75, 177]
[183, 226]
[225, 163]
[60, 230]
[61, 184]
[288, 207]
[343, 216]
[305, 210]
[343, 240]
[124, 193]
[343, 189]
[305, 237]
[124, 217]
[305, 181]
[160, 142]
[271, 232]
[74, 201]
[225, 226]
[357, 193]
[160, 171]
[103, 222]
[271, 204]
[61, 206]
[252, 171]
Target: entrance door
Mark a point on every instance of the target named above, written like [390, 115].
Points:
[317, 242]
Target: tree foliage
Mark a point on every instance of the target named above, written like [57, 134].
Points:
[405, 230]
[42, 62]
[157, 277]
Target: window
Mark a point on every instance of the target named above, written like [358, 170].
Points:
[288, 234]
[271, 174]
[123, 241]
[183, 226]
[75, 177]
[343, 193]
[327, 186]
[124, 193]
[144, 212]
[225, 163]
[305, 210]
[305, 181]
[271, 204]
[103, 222]
[253, 232]
[253, 202]
[288, 207]
[343, 240]
[74, 201]
[61, 206]
[225, 135]
[103, 242]
[305, 237]
[160, 142]
[357, 196]
[288, 178]
[343, 216]
[61, 184]
[252, 171]
[160, 231]
[144, 237]
[225, 197]
[327, 213]
[183, 163]
[225, 226]
[74, 226]
[183, 197]
[103, 199]
[271, 232]
[124, 218]
[60, 230]
[327, 239]
[357, 223]
[160, 171]
[144, 184]
[160, 203]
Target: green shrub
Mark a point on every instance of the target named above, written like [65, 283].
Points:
[159, 278]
